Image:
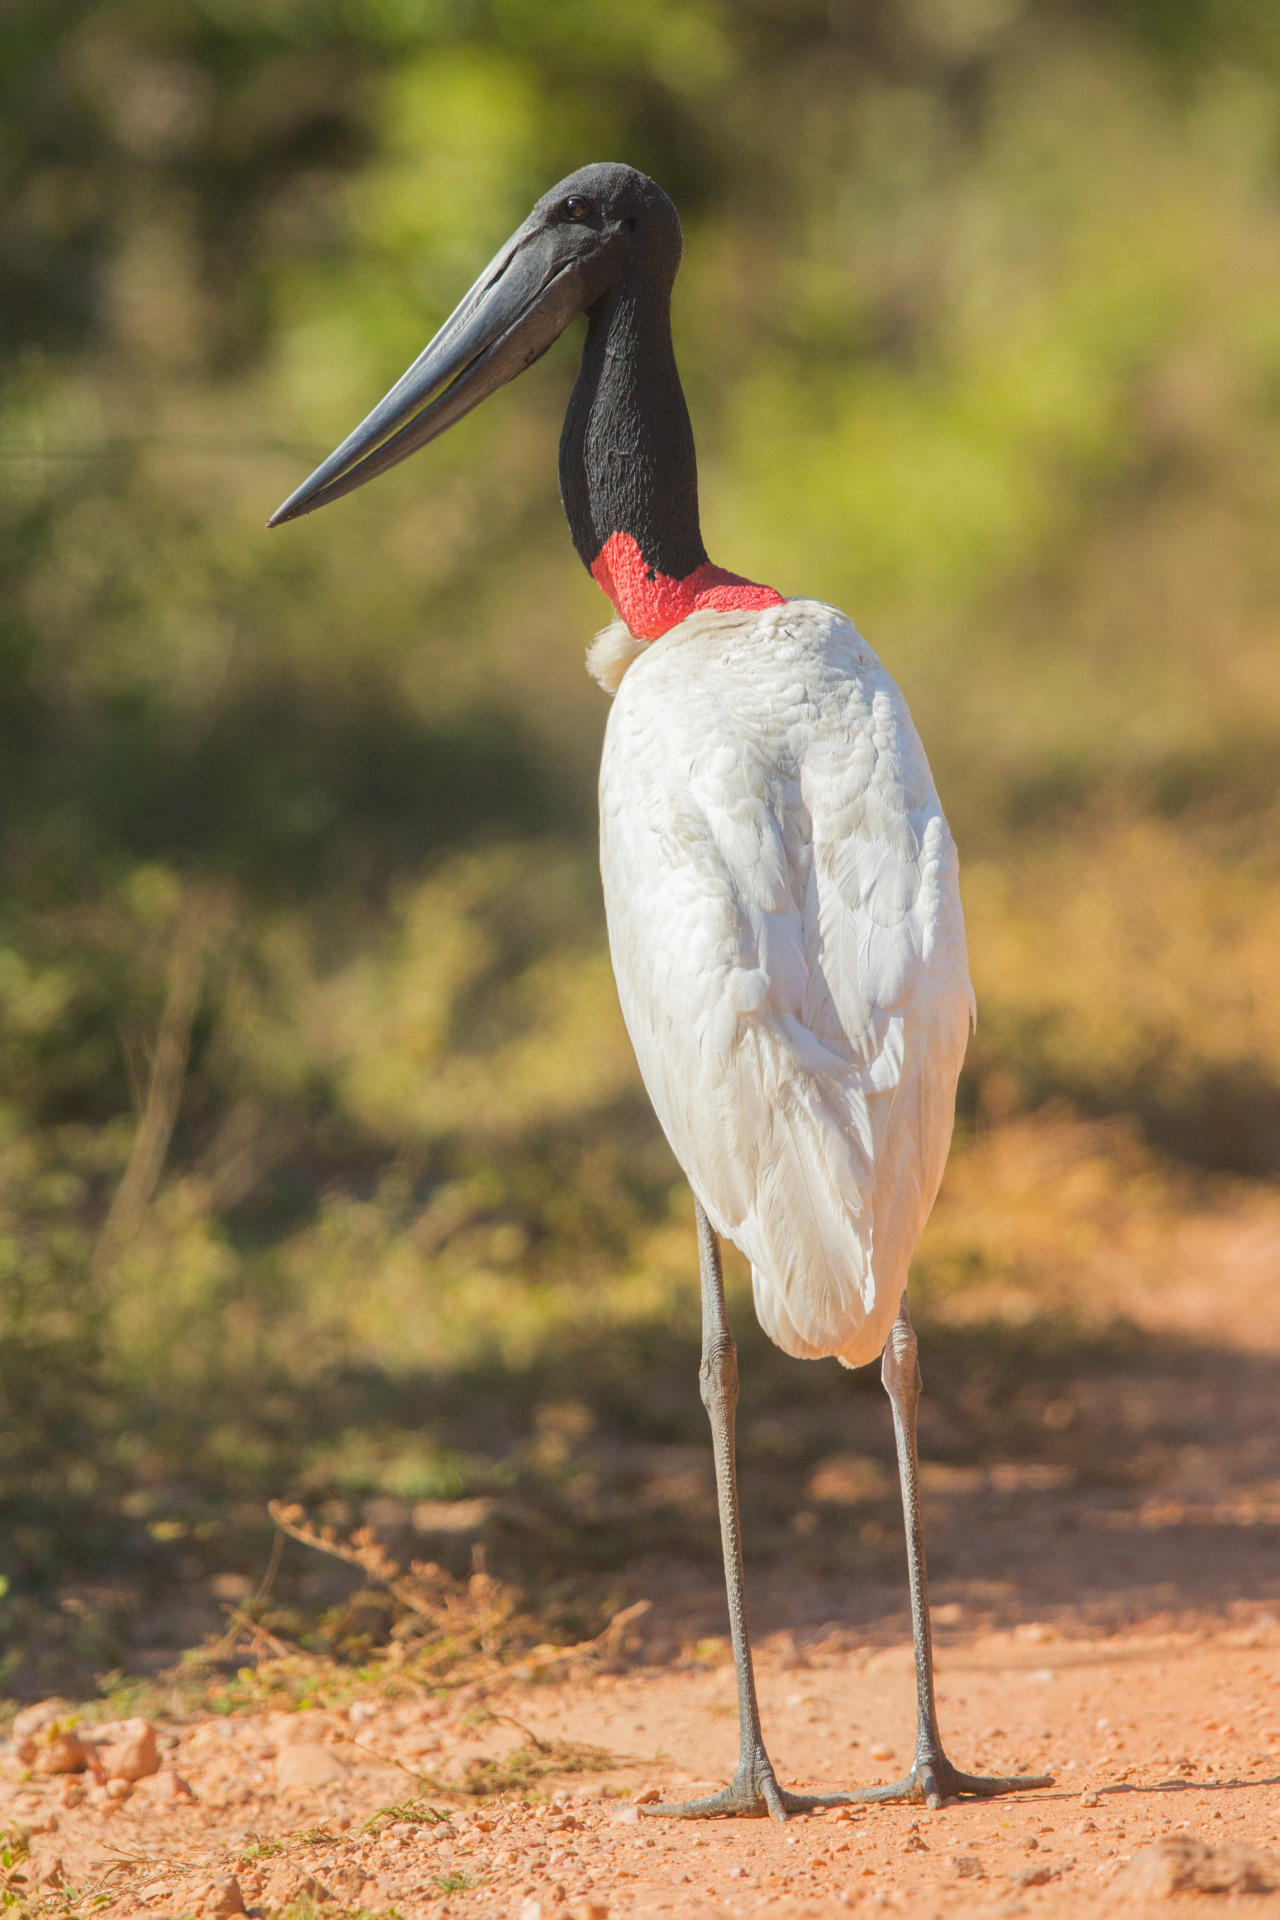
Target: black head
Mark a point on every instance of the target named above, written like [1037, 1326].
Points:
[604, 215]
[592, 232]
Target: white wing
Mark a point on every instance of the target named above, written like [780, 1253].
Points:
[785, 924]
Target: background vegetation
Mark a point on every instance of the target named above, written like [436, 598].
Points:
[324, 1168]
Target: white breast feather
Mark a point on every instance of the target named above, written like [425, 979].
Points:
[785, 924]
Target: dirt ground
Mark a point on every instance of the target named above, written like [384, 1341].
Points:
[1149, 1735]
[1123, 1634]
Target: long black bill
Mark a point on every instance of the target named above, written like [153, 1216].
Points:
[521, 303]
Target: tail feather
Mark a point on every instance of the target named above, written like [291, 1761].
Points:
[771, 1311]
[807, 1224]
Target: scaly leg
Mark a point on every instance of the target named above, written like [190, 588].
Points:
[754, 1789]
[932, 1778]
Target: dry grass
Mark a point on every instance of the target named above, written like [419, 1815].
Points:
[1050, 1214]
[1129, 963]
[526, 1766]
[444, 1634]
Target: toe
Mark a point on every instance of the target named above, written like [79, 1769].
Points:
[773, 1797]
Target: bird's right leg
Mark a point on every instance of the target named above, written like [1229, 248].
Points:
[754, 1789]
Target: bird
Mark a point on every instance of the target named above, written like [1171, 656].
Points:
[780, 883]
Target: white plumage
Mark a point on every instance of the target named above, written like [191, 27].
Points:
[786, 931]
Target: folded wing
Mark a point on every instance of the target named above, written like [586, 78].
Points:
[787, 937]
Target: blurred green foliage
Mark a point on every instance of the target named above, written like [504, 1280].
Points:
[324, 1164]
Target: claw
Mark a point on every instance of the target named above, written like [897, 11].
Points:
[773, 1797]
[931, 1781]
[927, 1781]
[756, 1795]
[750, 1796]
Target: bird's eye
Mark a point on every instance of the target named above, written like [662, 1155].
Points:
[576, 207]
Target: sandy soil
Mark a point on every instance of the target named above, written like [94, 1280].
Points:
[1148, 1735]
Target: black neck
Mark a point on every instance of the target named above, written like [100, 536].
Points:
[627, 460]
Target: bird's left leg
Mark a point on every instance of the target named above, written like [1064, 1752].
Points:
[932, 1778]
[754, 1789]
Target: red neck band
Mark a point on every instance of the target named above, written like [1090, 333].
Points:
[653, 603]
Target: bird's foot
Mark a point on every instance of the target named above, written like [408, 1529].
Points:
[933, 1779]
[752, 1794]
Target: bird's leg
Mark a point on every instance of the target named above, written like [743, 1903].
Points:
[932, 1778]
[754, 1789]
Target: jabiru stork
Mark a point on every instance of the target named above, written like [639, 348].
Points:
[780, 882]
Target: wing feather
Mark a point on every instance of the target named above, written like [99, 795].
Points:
[785, 923]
